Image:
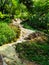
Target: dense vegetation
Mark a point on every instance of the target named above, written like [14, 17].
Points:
[39, 17]
[34, 51]
[35, 15]
[7, 34]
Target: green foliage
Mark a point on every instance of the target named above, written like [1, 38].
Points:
[1, 15]
[13, 8]
[28, 4]
[39, 17]
[21, 11]
[34, 51]
[5, 18]
[23, 8]
[8, 7]
[6, 33]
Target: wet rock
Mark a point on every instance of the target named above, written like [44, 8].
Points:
[36, 36]
[33, 35]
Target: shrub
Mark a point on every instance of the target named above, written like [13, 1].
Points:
[34, 51]
[1, 15]
[6, 33]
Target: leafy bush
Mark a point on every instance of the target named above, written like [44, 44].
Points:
[39, 17]
[34, 51]
[21, 11]
[5, 17]
[1, 15]
[6, 33]
[8, 7]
